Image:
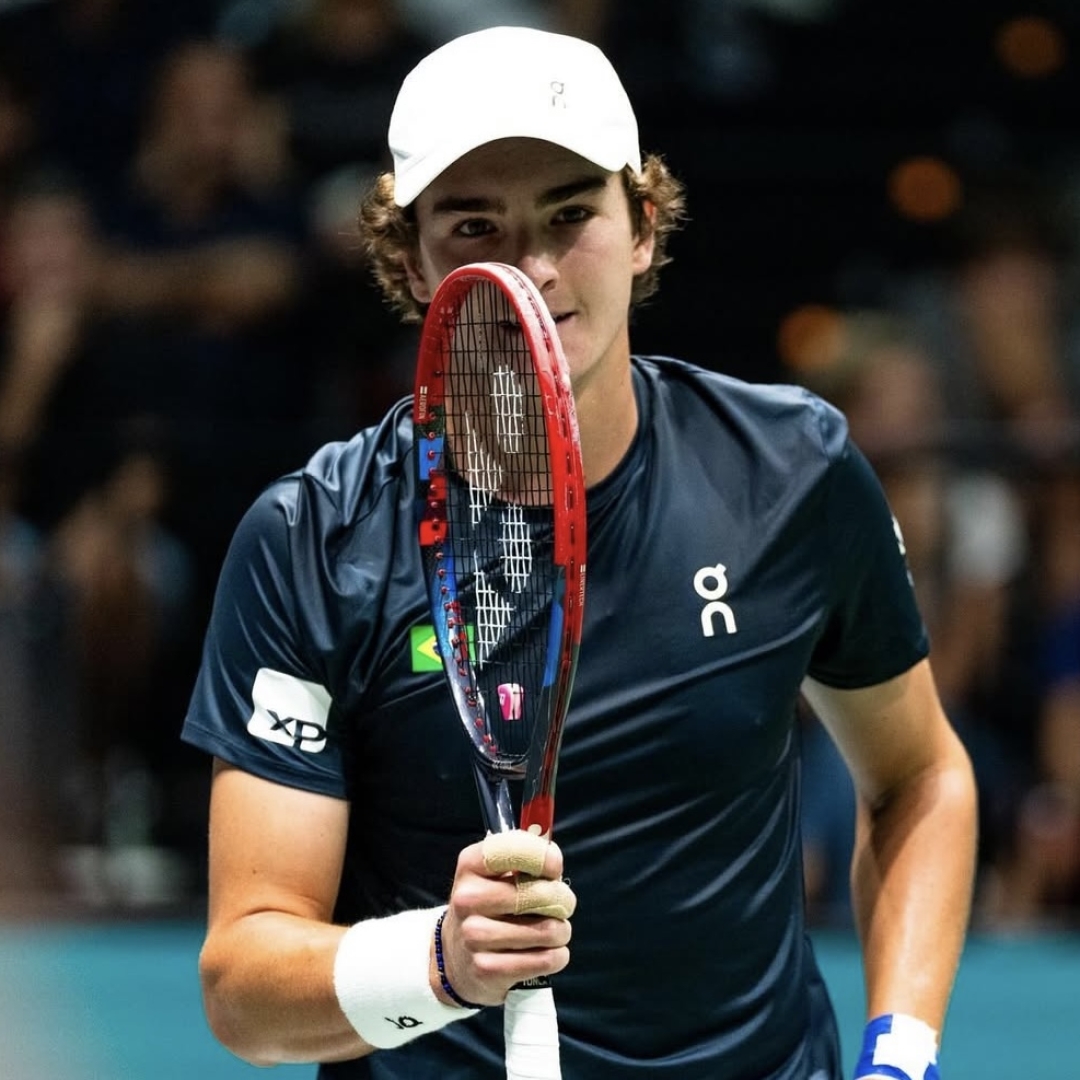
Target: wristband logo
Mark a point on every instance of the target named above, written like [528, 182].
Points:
[403, 1023]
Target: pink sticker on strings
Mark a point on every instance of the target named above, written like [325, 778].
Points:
[511, 700]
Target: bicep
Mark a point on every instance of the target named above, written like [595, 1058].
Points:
[888, 733]
[272, 848]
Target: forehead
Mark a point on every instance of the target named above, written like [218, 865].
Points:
[513, 168]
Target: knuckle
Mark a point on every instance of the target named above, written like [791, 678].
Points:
[553, 861]
[560, 958]
[467, 896]
[487, 965]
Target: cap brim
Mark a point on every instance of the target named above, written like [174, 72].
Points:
[411, 180]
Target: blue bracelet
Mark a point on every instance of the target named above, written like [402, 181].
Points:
[900, 1047]
[441, 965]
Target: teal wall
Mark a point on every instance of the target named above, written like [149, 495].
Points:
[121, 1002]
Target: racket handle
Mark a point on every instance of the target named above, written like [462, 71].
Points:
[531, 1031]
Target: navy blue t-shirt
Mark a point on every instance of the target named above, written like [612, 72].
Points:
[742, 544]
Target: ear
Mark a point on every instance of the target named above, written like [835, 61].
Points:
[645, 242]
[418, 285]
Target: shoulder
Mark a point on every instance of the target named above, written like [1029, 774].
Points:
[778, 416]
[345, 481]
[349, 495]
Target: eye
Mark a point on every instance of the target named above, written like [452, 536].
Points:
[471, 227]
[573, 215]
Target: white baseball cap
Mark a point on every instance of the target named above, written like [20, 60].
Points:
[506, 82]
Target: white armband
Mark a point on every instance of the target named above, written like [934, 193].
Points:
[382, 979]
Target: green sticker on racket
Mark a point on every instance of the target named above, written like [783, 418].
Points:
[424, 647]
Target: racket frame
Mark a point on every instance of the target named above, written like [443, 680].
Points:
[537, 767]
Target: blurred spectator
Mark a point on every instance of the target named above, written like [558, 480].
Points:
[19, 127]
[97, 614]
[1000, 316]
[996, 314]
[90, 62]
[363, 356]
[202, 266]
[1039, 881]
[26, 838]
[46, 255]
[128, 586]
[50, 335]
[334, 66]
[965, 535]
[444, 19]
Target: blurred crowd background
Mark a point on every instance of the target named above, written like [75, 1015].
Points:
[884, 205]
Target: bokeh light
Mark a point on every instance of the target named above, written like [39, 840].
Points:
[810, 338]
[1031, 47]
[925, 189]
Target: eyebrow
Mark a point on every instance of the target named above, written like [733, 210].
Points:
[464, 204]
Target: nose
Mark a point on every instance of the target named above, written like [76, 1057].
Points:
[538, 263]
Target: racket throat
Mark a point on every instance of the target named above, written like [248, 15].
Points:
[495, 801]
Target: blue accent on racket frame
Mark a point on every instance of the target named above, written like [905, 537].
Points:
[431, 452]
[555, 630]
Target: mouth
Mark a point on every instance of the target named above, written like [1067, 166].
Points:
[510, 326]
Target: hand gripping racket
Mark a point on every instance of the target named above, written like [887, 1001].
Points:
[502, 538]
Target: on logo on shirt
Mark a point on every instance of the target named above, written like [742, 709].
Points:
[711, 583]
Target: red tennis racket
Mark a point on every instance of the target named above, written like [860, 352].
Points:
[502, 537]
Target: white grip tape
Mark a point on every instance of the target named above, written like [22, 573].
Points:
[530, 1024]
[531, 1030]
[382, 979]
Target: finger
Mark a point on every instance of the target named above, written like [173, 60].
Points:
[539, 896]
[518, 851]
[484, 958]
[523, 933]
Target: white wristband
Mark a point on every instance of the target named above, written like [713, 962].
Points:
[382, 979]
[898, 1046]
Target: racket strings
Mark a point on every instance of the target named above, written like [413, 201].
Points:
[508, 399]
[507, 600]
[499, 516]
[494, 404]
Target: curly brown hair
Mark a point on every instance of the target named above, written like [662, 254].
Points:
[388, 232]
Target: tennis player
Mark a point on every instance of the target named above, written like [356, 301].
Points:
[741, 554]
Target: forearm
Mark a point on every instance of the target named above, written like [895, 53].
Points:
[228, 284]
[268, 988]
[912, 880]
[39, 347]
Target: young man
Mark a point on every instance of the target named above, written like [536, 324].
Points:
[344, 816]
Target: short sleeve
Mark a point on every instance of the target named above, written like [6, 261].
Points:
[260, 700]
[874, 630]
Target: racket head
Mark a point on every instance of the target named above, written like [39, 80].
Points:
[501, 521]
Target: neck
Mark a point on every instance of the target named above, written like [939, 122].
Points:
[607, 420]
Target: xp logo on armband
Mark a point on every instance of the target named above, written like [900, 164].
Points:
[711, 584]
[289, 711]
